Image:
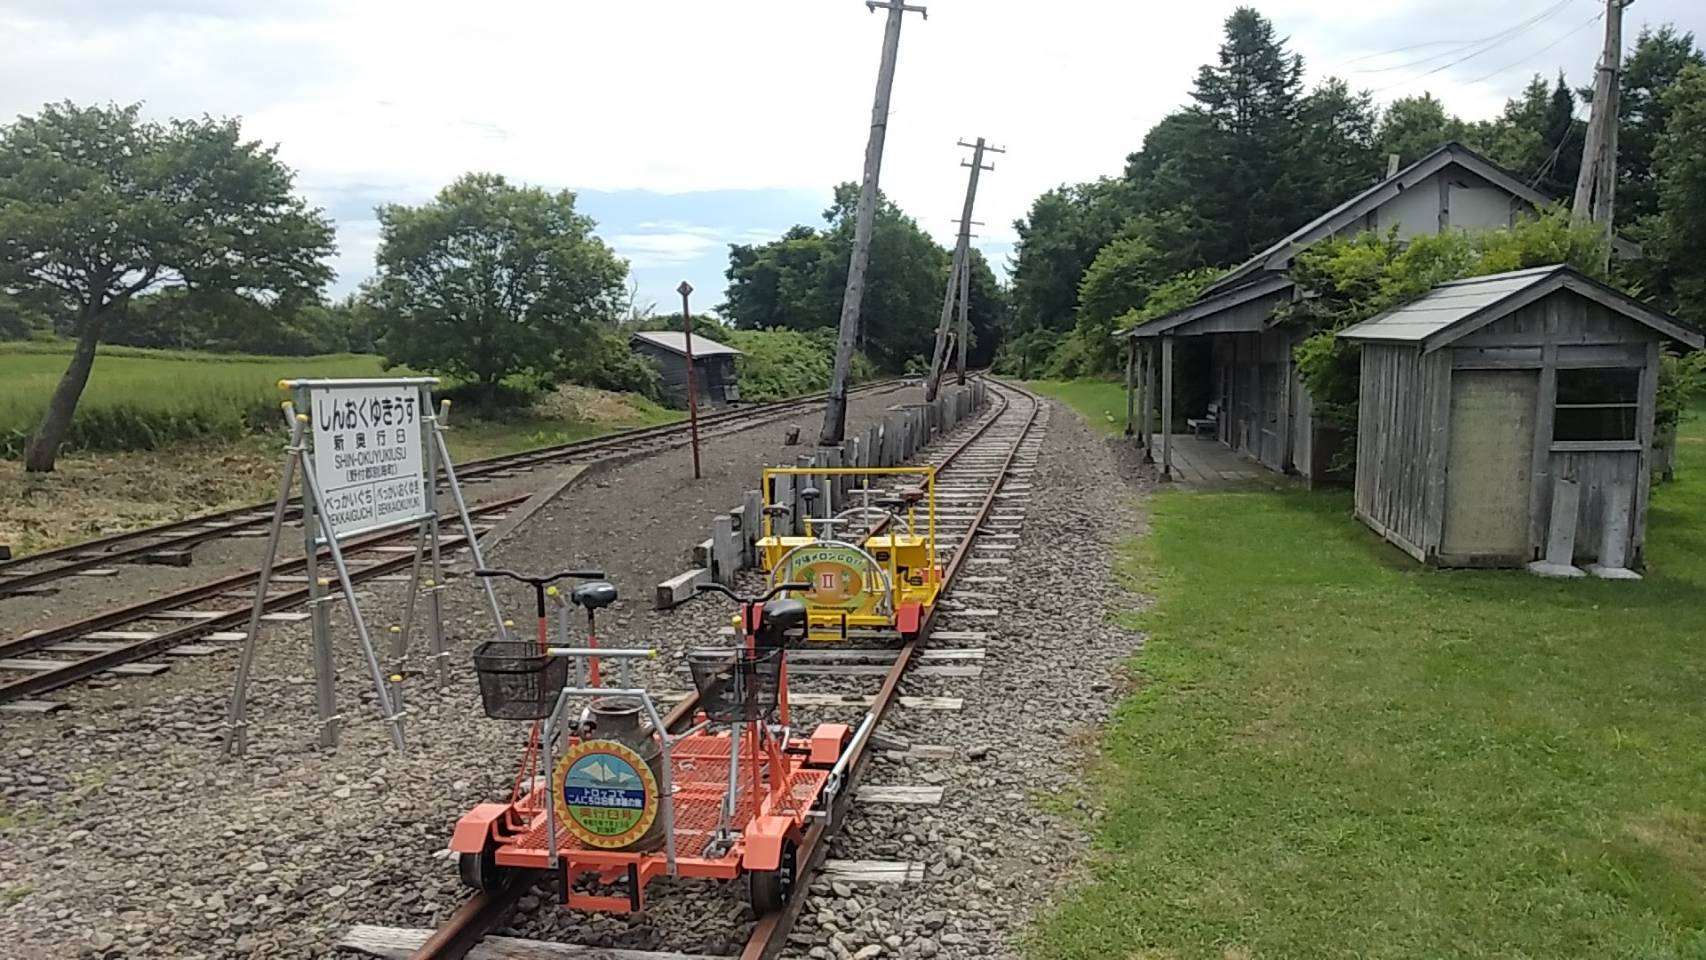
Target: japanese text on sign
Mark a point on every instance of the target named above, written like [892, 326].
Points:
[367, 456]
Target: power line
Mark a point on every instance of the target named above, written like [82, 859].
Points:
[1468, 56]
[1572, 32]
[1489, 41]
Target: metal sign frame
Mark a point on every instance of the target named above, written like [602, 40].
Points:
[299, 461]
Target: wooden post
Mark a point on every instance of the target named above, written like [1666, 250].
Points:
[1147, 430]
[1130, 384]
[1167, 408]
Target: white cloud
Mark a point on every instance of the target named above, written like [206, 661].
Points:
[393, 99]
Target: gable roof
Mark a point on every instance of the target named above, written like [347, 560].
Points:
[1280, 254]
[1456, 309]
[675, 342]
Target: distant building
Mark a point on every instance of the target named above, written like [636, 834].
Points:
[1241, 362]
[713, 363]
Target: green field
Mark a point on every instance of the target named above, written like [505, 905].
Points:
[1100, 402]
[141, 399]
[1334, 752]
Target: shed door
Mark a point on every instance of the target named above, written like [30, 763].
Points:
[1490, 462]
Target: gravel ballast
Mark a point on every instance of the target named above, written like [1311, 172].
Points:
[123, 832]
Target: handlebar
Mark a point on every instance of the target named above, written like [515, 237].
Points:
[725, 591]
[545, 579]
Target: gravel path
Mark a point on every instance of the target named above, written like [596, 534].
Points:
[134, 582]
[123, 833]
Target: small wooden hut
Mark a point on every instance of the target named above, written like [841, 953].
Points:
[713, 365]
[1510, 417]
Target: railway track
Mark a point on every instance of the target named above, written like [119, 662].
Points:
[187, 622]
[971, 475]
[169, 542]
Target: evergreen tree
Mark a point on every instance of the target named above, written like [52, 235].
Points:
[1655, 63]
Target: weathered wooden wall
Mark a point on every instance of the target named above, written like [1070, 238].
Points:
[1405, 417]
[1400, 440]
[1254, 385]
[715, 372]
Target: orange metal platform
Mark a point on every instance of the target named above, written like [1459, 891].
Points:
[700, 774]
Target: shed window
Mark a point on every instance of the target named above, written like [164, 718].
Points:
[1597, 403]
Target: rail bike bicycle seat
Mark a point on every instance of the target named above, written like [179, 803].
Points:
[594, 595]
[776, 510]
[911, 495]
[780, 618]
[809, 495]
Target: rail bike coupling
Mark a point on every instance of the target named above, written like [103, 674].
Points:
[625, 800]
[863, 538]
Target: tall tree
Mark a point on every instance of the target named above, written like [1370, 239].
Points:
[1337, 142]
[491, 279]
[1654, 65]
[1413, 127]
[1058, 239]
[1675, 235]
[1244, 178]
[796, 282]
[99, 206]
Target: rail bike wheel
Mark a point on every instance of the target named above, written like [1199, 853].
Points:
[480, 871]
[768, 890]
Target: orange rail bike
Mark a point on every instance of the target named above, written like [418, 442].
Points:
[626, 801]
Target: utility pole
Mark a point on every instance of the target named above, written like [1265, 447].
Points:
[965, 319]
[1596, 184]
[962, 262]
[835, 412]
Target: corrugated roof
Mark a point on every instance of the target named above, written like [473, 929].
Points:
[1453, 308]
[676, 342]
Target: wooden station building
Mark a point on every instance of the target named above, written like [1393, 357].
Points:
[1509, 418]
[1228, 339]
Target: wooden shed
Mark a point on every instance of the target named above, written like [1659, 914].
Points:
[1488, 402]
[713, 364]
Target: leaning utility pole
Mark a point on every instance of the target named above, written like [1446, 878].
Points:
[835, 412]
[1596, 184]
[965, 319]
[962, 262]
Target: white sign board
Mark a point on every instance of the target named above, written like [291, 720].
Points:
[367, 456]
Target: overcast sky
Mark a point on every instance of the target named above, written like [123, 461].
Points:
[688, 124]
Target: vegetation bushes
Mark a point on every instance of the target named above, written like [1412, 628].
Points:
[785, 363]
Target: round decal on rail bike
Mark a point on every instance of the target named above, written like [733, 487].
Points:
[840, 575]
[605, 793]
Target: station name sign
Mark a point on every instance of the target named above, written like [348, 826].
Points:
[368, 457]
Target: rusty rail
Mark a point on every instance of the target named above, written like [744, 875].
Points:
[464, 928]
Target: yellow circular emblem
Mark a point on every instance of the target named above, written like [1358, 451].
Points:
[605, 794]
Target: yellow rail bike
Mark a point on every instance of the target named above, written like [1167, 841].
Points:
[873, 566]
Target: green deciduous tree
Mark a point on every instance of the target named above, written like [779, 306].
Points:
[1350, 280]
[490, 280]
[796, 281]
[1412, 127]
[99, 206]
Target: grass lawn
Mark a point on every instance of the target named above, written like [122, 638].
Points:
[1333, 752]
[176, 383]
[163, 435]
[1100, 402]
